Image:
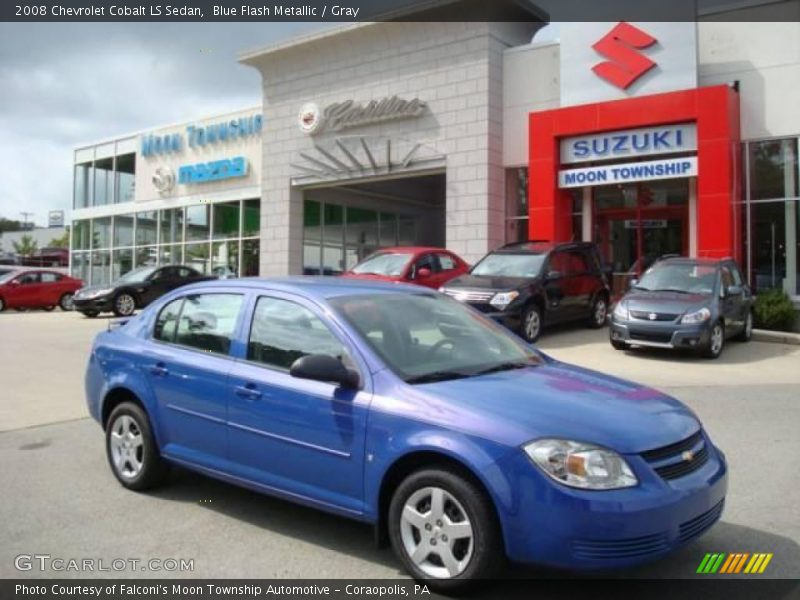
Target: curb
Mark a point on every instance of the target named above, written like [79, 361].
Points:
[776, 337]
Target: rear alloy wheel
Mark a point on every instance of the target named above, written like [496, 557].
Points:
[443, 528]
[531, 326]
[747, 333]
[597, 318]
[132, 450]
[716, 341]
[66, 303]
[124, 305]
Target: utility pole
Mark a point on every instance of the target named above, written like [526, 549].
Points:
[25, 216]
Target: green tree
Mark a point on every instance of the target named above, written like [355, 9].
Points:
[9, 225]
[25, 246]
[60, 242]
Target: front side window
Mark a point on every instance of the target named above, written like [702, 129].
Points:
[28, 279]
[167, 321]
[283, 331]
[430, 337]
[509, 265]
[207, 322]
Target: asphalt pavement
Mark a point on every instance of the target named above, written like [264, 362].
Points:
[60, 498]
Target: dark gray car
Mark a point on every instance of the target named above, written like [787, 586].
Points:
[688, 303]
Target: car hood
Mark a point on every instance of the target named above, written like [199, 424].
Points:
[560, 401]
[488, 282]
[665, 302]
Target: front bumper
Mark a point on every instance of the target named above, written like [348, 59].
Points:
[98, 304]
[659, 334]
[580, 529]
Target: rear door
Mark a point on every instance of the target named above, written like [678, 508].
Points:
[300, 436]
[52, 287]
[187, 364]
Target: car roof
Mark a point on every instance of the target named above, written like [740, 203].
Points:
[311, 286]
[411, 249]
[539, 247]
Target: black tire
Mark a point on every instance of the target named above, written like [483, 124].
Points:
[65, 302]
[747, 333]
[487, 553]
[152, 468]
[124, 304]
[91, 314]
[617, 345]
[48, 308]
[2, 305]
[712, 350]
[599, 312]
[530, 326]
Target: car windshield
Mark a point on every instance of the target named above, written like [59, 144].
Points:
[137, 275]
[429, 337]
[510, 265]
[6, 274]
[384, 263]
[684, 278]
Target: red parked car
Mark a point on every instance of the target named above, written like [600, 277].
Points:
[35, 288]
[431, 267]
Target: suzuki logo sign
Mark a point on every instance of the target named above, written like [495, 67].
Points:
[625, 64]
[612, 61]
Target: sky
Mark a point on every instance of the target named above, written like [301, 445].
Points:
[63, 85]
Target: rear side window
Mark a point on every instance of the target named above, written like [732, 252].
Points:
[50, 277]
[201, 321]
[446, 262]
[283, 331]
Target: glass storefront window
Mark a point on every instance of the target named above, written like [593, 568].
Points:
[146, 256]
[83, 185]
[774, 247]
[103, 182]
[516, 205]
[80, 234]
[146, 227]
[101, 232]
[250, 257]
[100, 271]
[121, 262]
[123, 230]
[196, 255]
[80, 266]
[406, 231]
[226, 220]
[361, 235]
[225, 259]
[251, 221]
[171, 254]
[125, 178]
[172, 226]
[388, 229]
[197, 222]
[773, 169]
[312, 220]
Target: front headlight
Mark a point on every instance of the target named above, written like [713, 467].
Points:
[503, 299]
[621, 311]
[697, 317]
[581, 465]
[95, 293]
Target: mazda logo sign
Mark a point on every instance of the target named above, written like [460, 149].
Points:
[163, 180]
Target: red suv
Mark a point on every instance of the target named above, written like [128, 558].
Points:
[431, 267]
[29, 288]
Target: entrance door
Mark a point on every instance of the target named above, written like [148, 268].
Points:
[635, 224]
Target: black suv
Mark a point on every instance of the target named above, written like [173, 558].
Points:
[528, 284]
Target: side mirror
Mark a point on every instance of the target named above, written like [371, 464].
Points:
[13, 283]
[324, 367]
[734, 290]
[423, 273]
[554, 275]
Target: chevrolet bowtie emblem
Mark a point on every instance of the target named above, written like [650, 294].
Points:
[687, 455]
[652, 316]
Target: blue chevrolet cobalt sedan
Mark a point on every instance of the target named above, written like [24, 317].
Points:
[398, 406]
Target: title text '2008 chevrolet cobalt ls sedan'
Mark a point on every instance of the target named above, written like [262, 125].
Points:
[401, 407]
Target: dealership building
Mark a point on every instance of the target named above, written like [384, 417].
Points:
[646, 138]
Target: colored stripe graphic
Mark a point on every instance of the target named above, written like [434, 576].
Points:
[711, 563]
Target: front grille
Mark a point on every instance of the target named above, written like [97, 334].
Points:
[645, 315]
[625, 548]
[680, 458]
[470, 296]
[659, 338]
[694, 527]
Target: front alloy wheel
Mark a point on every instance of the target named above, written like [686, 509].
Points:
[124, 305]
[716, 341]
[444, 529]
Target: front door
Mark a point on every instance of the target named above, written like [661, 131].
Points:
[302, 437]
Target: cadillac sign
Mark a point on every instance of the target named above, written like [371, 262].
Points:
[347, 114]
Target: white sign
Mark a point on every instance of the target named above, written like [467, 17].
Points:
[670, 168]
[55, 218]
[668, 139]
[610, 61]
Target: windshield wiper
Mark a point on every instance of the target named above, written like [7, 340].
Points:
[437, 376]
[672, 290]
[504, 366]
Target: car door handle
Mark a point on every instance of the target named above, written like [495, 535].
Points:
[159, 369]
[248, 391]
